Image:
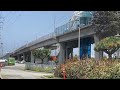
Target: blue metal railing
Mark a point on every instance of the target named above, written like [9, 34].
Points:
[69, 27]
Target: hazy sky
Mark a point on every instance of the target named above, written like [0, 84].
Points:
[21, 27]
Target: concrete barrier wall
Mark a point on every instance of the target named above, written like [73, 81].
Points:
[40, 67]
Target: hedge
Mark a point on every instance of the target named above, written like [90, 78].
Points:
[90, 69]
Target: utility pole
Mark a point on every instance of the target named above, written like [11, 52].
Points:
[55, 34]
[54, 26]
[79, 38]
[118, 51]
[79, 42]
[1, 28]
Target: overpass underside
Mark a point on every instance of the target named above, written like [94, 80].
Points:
[66, 44]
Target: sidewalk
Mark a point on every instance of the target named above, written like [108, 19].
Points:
[18, 72]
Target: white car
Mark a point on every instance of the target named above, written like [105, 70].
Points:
[3, 61]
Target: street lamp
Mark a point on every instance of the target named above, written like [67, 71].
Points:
[79, 38]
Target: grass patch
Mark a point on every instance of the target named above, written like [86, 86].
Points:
[40, 69]
[49, 76]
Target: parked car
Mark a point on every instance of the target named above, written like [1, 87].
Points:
[3, 62]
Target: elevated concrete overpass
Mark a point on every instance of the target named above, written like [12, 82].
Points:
[67, 41]
[67, 38]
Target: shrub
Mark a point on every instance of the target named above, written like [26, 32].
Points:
[58, 71]
[49, 76]
[90, 69]
[48, 69]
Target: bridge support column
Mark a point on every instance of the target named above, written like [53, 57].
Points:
[24, 57]
[68, 52]
[61, 56]
[98, 55]
[72, 53]
[32, 57]
[18, 57]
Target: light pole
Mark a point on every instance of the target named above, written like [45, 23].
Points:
[79, 42]
[118, 35]
[2, 49]
[78, 39]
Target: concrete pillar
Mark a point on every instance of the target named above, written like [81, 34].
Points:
[15, 57]
[27, 57]
[72, 53]
[32, 57]
[118, 53]
[24, 57]
[69, 51]
[61, 56]
[18, 57]
[98, 55]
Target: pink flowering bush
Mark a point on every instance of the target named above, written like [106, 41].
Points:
[90, 69]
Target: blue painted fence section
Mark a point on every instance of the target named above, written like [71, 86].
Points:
[85, 47]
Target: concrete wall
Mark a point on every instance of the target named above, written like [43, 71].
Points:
[45, 61]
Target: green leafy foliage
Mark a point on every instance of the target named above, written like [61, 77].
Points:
[49, 76]
[108, 45]
[104, 21]
[40, 69]
[90, 69]
[41, 53]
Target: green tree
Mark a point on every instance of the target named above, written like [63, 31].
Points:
[41, 53]
[104, 21]
[35, 54]
[109, 45]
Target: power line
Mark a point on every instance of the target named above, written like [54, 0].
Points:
[1, 28]
[16, 18]
[7, 14]
[6, 21]
[60, 19]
